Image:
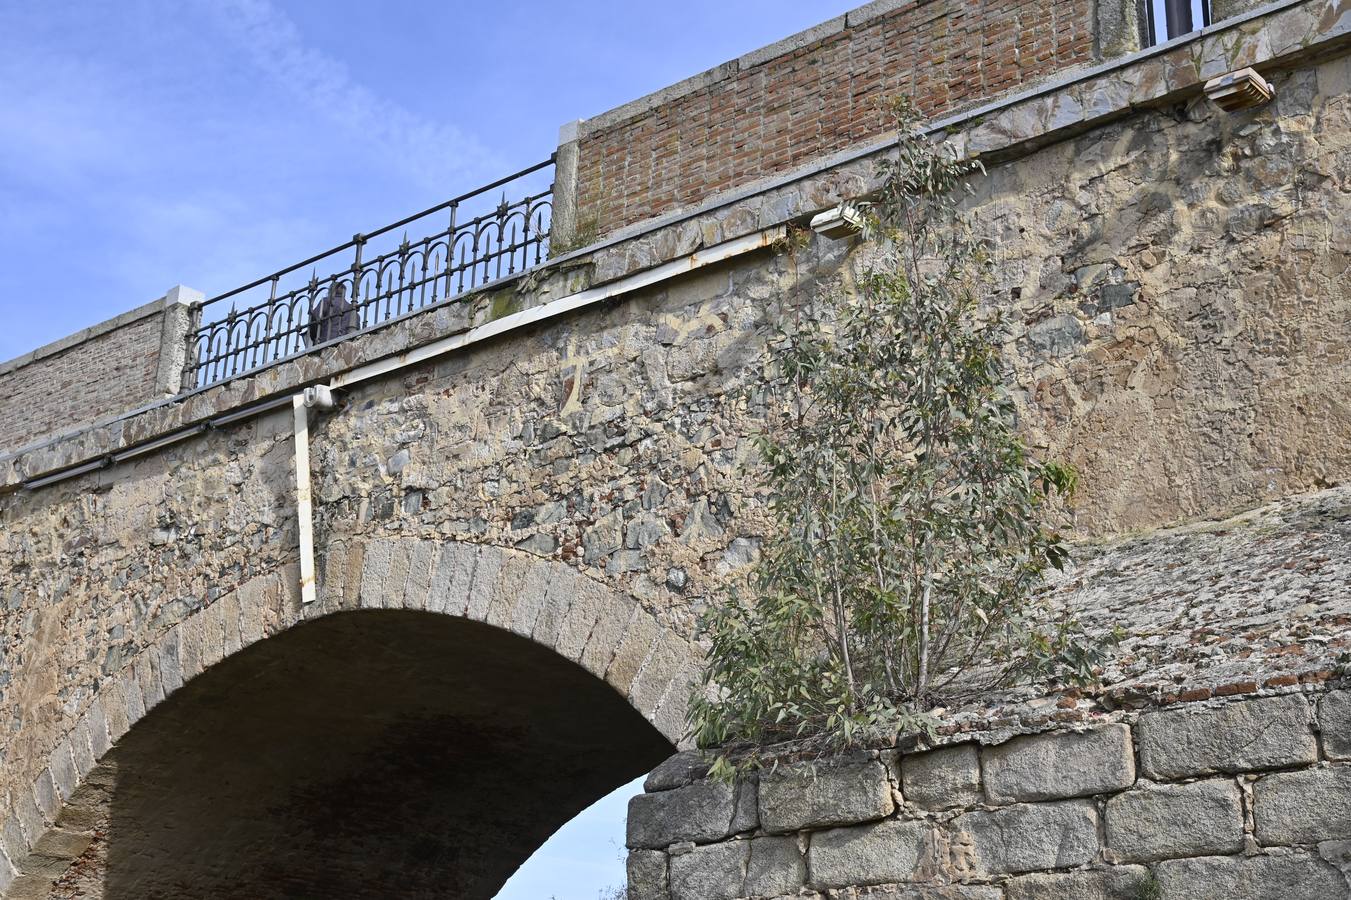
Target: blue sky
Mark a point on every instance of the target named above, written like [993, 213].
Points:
[147, 143]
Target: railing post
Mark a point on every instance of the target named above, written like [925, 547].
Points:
[563, 231]
[1122, 27]
[178, 332]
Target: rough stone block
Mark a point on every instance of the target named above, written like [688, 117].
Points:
[931, 892]
[99, 741]
[667, 658]
[1028, 837]
[487, 573]
[677, 771]
[44, 791]
[588, 602]
[131, 696]
[190, 647]
[608, 631]
[1239, 737]
[1118, 883]
[213, 635]
[229, 617]
[511, 585]
[638, 642]
[1334, 721]
[775, 867]
[557, 602]
[529, 603]
[647, 875]
[417, 586]
[62, 766]
[829, 794]
[942, 778]
[14, 841]
[1303, 807]
[700, 812]
[375, 574]
[1059, 766]
[865, 854]
[715, 872]
[147, 674]
[80, 748]
[671, 718]
[170, 660]
[1250, 878]
[1204, 818]
[448, 591]
[252, 600]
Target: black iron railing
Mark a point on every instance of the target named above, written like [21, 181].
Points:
[477, 243]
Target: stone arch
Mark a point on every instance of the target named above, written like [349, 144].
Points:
[506, 595]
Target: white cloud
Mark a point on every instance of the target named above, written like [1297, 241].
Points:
[435, 154]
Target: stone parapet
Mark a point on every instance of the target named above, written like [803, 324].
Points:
[826, 89]
[95, 374]
[1049, 831]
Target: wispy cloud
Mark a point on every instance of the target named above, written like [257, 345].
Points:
[435, 154]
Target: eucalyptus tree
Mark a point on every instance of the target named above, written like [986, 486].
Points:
[912, 523]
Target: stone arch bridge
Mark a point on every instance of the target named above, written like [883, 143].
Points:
[384, 646]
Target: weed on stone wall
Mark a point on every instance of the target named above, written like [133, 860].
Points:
[912, 522]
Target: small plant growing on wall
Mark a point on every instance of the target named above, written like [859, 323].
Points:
[912, 523]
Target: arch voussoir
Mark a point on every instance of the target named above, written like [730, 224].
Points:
[548, 602]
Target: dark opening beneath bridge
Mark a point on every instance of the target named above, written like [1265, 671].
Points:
[368, 754]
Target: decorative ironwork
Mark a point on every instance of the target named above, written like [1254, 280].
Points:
[466, 254]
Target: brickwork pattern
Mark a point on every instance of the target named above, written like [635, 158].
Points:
[1032, 824]
[767, 118]
[110, 373]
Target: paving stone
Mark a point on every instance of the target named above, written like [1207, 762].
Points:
[808, 796]
[1059, 766]
[942, 778]
[1239, 737]
[1204, 818]
[1032, 836]
[1303, 807]
[865, 854]
[1284, 877]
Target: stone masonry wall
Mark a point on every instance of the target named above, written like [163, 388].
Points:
[825, 90]
[1242, 801]
[96, 373]
[1176, 287]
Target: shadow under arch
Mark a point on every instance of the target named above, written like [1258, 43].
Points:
[368, 753]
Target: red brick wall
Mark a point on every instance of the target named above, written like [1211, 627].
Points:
[94, 378]
[825, 96]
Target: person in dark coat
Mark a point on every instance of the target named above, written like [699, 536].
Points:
[333, 316]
